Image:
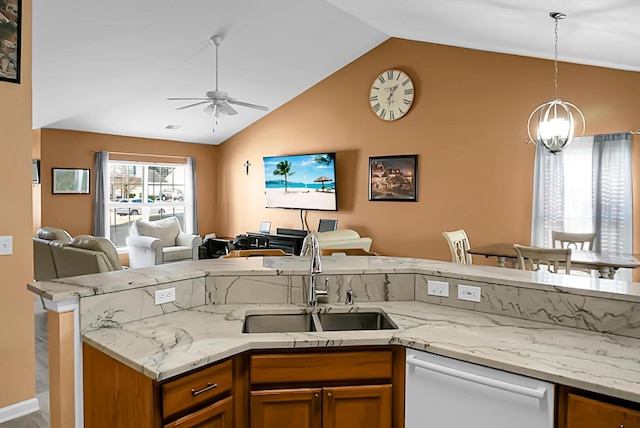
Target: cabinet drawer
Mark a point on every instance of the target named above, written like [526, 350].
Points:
[586, 412]
[194, 389]
[320, 367]
[219, 414]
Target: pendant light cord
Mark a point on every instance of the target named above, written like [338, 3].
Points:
[556, 16]
[555, 62]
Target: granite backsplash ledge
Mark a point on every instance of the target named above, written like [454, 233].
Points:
[115, 298]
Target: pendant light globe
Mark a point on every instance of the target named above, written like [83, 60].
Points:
[555, 122]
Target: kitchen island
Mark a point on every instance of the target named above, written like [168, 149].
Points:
[570, 330]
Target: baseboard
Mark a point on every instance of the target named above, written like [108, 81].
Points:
[17, 410]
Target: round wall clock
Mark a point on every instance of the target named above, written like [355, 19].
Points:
[391, 95]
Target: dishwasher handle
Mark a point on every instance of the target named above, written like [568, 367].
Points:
[538, 393]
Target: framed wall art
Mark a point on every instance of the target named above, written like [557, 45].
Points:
[393, 178]
[10, 39]
[73, 181]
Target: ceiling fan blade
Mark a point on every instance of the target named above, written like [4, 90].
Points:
[256, 106]
[193, 105]
[225, 109]
[186, 99]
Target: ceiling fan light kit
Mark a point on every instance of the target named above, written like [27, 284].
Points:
[217, 101]
[555, 123]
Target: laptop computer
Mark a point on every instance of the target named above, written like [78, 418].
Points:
[265, 227]
[327, 225]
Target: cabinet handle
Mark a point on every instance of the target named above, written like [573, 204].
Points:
[316, 395]
[205, 389]
[329, 395]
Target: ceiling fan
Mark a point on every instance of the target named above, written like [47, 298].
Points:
[217, 101]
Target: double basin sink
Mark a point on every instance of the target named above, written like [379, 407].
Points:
[289, 322]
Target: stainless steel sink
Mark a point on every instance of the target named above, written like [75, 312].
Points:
[278, 323]
[365, 319]
[375, 320]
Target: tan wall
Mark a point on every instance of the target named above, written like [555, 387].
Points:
[71, 149]
[17, 351]
[467, 124]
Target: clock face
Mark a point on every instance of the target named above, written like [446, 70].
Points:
[391, 95]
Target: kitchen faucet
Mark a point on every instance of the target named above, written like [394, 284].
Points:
[311, 246]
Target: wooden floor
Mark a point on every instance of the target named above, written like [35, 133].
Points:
[38, 419]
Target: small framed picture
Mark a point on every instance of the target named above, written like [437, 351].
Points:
[71, 181]
[393, 178]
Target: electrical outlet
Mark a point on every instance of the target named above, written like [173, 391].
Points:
[167, 295]
[438, 288]
[6, 245]
[467, 292]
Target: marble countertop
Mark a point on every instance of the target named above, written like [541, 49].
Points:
[167, 345]
[90, 285]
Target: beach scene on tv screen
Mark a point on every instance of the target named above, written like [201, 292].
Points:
[305, 182]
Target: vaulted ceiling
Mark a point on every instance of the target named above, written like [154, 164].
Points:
[109, 67]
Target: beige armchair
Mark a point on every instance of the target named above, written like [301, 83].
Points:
[43, 266]
[156, 242]
[85, 255]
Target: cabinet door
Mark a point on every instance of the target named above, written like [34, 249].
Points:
[217, 415]
[586, 412]
[286, 408]
[357, 406]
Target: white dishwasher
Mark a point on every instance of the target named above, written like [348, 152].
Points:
[443, 392]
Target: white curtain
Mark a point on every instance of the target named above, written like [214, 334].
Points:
[101, 203]
[612, 193]
[191, 197]
[548, 196]
[586, 188]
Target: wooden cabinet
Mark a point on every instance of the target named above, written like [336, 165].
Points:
[579, 409]
[286, 408]
[357, 406]
[118, 396]
[331, 407]
[330, 389]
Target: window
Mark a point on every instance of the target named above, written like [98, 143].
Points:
[143, 190]
[585, 188]
[578, 188]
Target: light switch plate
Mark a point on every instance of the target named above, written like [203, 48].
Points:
[438, 288]
[6, 245]
[467, 292]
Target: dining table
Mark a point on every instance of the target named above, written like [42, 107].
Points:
[604, 262]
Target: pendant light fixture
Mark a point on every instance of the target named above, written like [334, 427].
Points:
[554, 122]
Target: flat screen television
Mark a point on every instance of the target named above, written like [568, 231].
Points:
[304, 182]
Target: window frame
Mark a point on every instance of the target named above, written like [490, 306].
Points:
[144, 204]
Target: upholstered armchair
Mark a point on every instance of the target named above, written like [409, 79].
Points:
[156, 242]
[85, 255]
[43, 266]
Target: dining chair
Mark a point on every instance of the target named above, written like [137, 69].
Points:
[577, 241]
[346, 252]
[257, 252]
[458, 244]
[556, 260]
